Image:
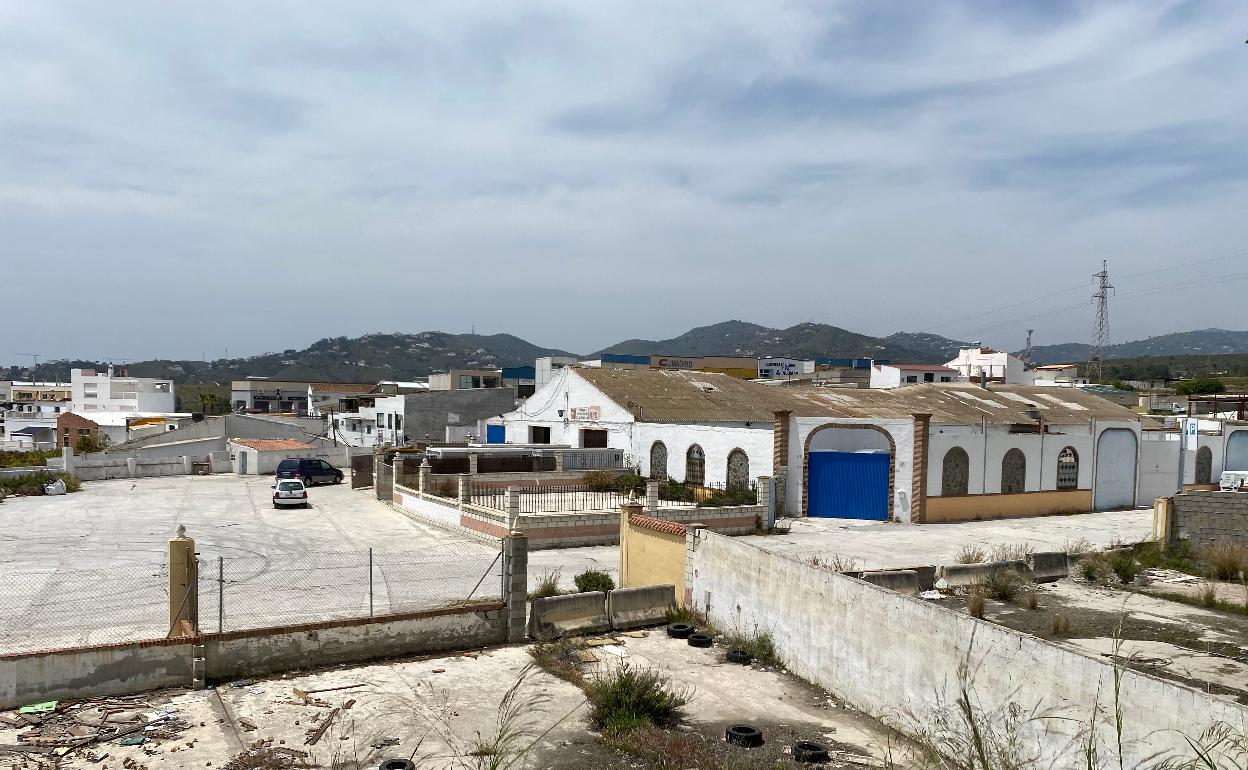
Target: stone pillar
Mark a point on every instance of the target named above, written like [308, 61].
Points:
[516, 585]
[132, 467]
[465, 489]
[766, 498]
[559, 461]
[630, 508]
[513, 509]
[693, 530]
[918, 488]
[423, 476]
[652, 496]
[472, 463]
[780, 455]
[183, 583]
[187, 465]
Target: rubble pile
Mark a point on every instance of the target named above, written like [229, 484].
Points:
[54, 730]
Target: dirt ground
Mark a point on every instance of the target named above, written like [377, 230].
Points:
[438, 710]
[1203, 648]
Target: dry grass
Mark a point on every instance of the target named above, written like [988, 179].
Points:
[975, 601]
[547, 585]
[1033, 599]
[1209, 595]
[1060, 626]
[1011, 552]
[1005, 585]
[835, 562]
[1226, 561]
[1096, 568]
[972, 554]
[1076, 548]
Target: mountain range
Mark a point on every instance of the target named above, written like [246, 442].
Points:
[374, 357]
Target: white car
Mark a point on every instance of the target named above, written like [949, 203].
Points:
[290, 492]
[1233, 481]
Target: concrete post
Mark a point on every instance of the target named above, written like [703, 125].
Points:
[183, 583]
[628, 509]
[67, 458]
[767, 499]
[516, 585]
[465, 488]
[186, 464]
[513, 509]
[132, 468]
[559, 461]
[692, 531]
[472, 463]
[424, 471]
[652, 496]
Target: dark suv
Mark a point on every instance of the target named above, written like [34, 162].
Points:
[309, 471]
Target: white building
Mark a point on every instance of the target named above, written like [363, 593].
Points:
[1057, 375]
[776, 367]
[107, 392]
[699, 427]
[375, 424]
[896, 375]
[546, 367]
[993, 365]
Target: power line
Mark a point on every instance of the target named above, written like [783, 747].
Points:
[1100, 335]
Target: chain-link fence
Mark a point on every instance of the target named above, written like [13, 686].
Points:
[237, 592]
[43, 610]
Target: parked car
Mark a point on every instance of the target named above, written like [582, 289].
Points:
[290, 492]
[309, 470]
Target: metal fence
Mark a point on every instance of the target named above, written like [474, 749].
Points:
[42, 610]
[567, 499]
[595, 459]
[237, 592]
[487, 496]
[714, 493]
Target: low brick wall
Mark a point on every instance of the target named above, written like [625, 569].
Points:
[1206, 518]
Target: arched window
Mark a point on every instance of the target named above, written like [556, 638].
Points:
[695, 466]
[955, 478]
[738, 470]
[1013, 472]
[1204, 465]
[1068, 469]
[658, 461]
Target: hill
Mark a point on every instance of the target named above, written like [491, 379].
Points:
[1193, 343]
[805, 340]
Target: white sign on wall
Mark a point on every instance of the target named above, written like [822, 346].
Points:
[586, 413]
[1191, 436]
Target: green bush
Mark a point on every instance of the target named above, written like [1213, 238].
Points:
[1095, 568]
[547, 585]
[759, 644]
[35, 458]
[1226, 560]
[676, 492]
[31, 484]
[1125, 566]
[1004, 584]
[594, 580]
[600, 481]
[726, 497]
[631, 483]
[627, 698]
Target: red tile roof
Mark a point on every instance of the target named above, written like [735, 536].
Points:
[271, 444]
[659, 525]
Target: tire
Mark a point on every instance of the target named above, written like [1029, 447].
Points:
[680, 630]
[809, 751]
[275, 505]
[338, 478]
[396, 764]
[740, 656]
[746, 736]
[699, 639]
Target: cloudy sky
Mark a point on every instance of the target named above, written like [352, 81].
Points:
[177, 179]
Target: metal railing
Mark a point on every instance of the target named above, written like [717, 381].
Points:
[713, 493]
[594, 459]
[568, 499]
[487, 496]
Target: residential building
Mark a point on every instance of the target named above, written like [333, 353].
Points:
[437, 416]
[115, 427]
[466, 379]
[323, 395]
[522, 378]
[109, 391]
[261, 394]
[896, 375]
[979, 363]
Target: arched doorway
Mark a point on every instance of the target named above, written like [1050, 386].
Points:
[1068, 468]
[695, 466]
[1204, 465]
[1116, 455]
[955, 476]
[1013, 472]
[738, 476]
[849, 472]
[658, 461]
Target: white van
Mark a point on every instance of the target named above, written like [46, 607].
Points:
[1234, 481]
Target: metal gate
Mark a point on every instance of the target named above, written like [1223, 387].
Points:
[848, 485]
[496, 434]
[361, 471]
[1116, 453]
[1237, 452]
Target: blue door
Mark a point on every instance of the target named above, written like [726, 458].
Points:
[848, 485]
[496, 434]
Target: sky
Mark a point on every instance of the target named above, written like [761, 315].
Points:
[185, 180]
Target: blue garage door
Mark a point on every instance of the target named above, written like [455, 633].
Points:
[849, 485]
[496, 434]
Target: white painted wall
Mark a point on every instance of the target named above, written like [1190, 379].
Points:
[902, 432]
[997, 364]
[110, 393]
[1116, 483]
[1159, 464]
[716, 440]
[552, 406]
[986, 456]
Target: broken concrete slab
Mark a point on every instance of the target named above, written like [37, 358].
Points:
[642, 606]
[555, 616]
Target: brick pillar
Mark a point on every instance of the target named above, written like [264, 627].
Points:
[652, 496]
[423, 476]
[183, 582]
[766, 498]
[513, 509]
[472, 463]
[516, 584]
[465, 489]
[918, 489]
[780, 455]
[693, 531]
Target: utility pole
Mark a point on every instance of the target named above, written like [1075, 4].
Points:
[1101, 334]
[1027, 349]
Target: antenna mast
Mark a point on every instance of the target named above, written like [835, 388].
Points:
[1101, 334]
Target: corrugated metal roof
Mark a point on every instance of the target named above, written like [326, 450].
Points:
[670, 395]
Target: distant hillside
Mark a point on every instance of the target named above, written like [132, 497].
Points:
[1199, 342]
[806, 340]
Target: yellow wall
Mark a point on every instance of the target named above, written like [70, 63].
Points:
[980, 507]
[649, 557]
[741, 373]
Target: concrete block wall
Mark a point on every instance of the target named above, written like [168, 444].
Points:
[92, 672]
[1206, 518]
[858, 641]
